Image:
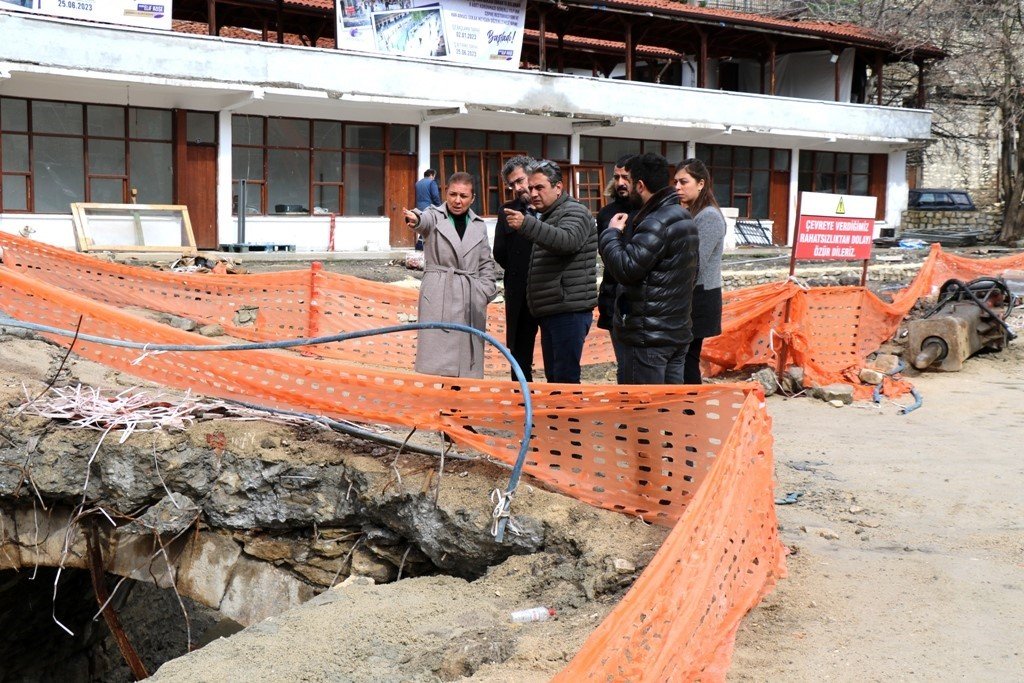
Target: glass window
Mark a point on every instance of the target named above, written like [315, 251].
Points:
[327, 198]
[247, 130]
[327, 167]
[15, 153]
[105, 121]
[675, 152]
[59, 173]
[287, 180]
[57, 117]
[612, 149]
[442, 139]
[152, 171]
[288, 133]
[590, 149]
[13, 114]
[201, 127]
[106, 157]
[364, 137]
[14, 192]
[149, 124]
[558, 147]
[471, 139]
[741, 157]
[762, 158]
[327, 134]
[364, 184]
[531, 143]
[859, 185]
[861, 163]
[106, 190]
[247, 164]
[403, 139]
[780, 159]
[499, 141]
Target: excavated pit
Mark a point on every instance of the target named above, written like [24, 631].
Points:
[245, 520]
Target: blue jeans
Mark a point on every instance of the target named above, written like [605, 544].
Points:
[561, 342]
[650, 364]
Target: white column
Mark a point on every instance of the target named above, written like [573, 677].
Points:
[423, 149]
[574, 148]
[794, 193]
[896, 189]
[227, 227]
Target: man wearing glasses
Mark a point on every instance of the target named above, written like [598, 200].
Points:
[562, 287]
[512, 252]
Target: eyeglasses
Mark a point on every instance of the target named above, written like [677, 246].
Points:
[517, 182]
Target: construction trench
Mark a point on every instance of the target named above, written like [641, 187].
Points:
[250, 518]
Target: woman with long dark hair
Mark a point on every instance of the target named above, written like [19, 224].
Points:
[693, 186]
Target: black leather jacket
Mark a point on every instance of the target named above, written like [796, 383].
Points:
[654, 260]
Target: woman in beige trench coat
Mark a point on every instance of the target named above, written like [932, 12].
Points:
[459, 280]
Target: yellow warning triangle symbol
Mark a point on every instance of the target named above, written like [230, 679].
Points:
[842, 207]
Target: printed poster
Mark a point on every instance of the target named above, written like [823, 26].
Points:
[126, 12]
[477, 31]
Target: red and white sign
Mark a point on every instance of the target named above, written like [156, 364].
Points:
[835, 227]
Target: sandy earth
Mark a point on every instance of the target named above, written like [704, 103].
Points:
[907, 563]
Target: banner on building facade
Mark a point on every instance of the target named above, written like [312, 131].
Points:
[477, 31]
[126, 12]
[835, 226]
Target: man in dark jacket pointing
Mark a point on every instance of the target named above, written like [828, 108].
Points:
[562, 288]
[654, 260]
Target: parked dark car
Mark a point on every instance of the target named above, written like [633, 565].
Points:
[924, 199]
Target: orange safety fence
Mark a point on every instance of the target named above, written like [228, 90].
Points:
[697, 457]
[829, 333]
[262, 307]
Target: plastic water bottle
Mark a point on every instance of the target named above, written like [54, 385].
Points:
[524, 616]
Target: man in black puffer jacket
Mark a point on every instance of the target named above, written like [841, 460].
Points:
[654, 260]
[562, 288]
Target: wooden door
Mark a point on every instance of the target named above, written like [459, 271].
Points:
[198, 191]
[401, 194]
[778, 206]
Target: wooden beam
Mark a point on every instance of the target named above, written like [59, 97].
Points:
[211, 17]
[542, 43]
[921, 99]
[878, 77]
[561, 52]
[630, 49]
[772, 57]
[280, 21]
[702, 60]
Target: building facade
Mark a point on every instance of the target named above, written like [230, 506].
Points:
[329, 142]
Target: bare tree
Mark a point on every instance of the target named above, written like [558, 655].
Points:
[985, 67]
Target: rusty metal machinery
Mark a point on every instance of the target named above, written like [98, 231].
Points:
[969, 317]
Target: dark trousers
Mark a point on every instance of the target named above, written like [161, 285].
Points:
[521, 339]
[561, 342]
[691, 367]
[650, 364]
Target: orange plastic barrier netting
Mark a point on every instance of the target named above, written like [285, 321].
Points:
[699, 457]
[723, 546]
[830, 330]
[263, 307]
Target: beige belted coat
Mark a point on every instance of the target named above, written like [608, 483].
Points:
[459, 280]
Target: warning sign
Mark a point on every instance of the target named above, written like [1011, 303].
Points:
[835, 227]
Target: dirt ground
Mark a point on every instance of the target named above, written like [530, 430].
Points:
[907, 562]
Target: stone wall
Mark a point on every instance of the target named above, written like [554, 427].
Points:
[965, 152]
[951, 222]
